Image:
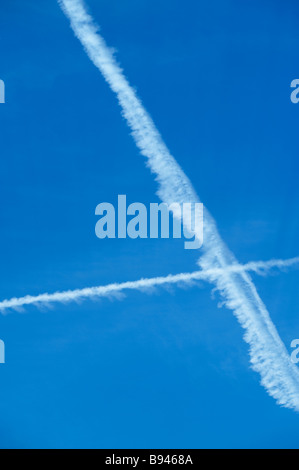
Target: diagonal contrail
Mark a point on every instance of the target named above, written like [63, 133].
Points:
[268, 354]
[259, 267]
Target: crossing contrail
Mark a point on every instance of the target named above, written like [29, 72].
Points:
[110, 290]
[268, 354]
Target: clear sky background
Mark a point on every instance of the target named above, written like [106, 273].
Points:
[170, 369]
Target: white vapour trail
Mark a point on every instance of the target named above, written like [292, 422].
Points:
[268, 354]
[259, 267]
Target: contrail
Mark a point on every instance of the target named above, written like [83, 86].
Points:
[259, 267]
[268, 354]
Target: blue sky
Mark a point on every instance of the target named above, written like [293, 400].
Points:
[171, 369]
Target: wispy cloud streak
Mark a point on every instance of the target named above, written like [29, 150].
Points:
[110, 290]
[268, 354]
